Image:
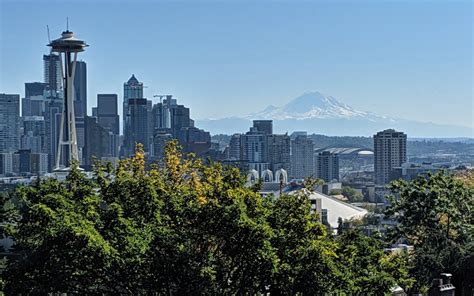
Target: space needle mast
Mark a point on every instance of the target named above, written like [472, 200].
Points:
[66, 46]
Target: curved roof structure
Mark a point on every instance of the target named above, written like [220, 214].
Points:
[347, 150]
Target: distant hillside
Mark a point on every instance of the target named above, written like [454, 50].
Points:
[414, 146]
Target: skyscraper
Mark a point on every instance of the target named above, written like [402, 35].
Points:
[34, 134]
[327, 166]
[52, 71]
[33, 102]
[278, 152]
[9, 123]
[80, 102]
[34, 89]
[254, 146]
[107, 112]
[265, 126]
[132, 89]
[98, 142]
[302, 157]
[176, 118]
[235, 144]
[52, 117]
[80, 90]
[160, 138]
[390, 151]
[108, 118]
[136, 125]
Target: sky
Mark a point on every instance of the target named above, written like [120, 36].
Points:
[405, 59]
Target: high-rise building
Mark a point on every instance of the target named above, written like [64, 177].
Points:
[302, 157]
[327, 166]
[6, 164]
[107, 117]
[254, 146]
[132, 89]
[390, 151]
[235, 147]
[9, 123]
[107, 112]
[52, 71]
[278, 152]
[34, 134]
[80, 89]
[27, 163]
[265, 126]
[169, 115]
[52, 117]
[80, 102]
[35, 89]
[99, 142]
[136, 126]
[160, 138]
[32, 106]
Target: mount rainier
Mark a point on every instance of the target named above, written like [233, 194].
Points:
[322, 114]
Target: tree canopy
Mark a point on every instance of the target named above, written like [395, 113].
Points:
[183, 228]
[435, 215]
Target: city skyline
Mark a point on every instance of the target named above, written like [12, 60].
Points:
[217, 73]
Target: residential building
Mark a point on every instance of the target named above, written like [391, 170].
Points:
[390, 151]
[34, 134]
[235, 147]
[6, 164]
[327, 166]
[302, 157]
[33, 102]
[409, 171]
[9, 123]
[52, 71]
[265, 126]
[278, 152]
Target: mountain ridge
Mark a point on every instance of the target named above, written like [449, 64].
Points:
[315, 112]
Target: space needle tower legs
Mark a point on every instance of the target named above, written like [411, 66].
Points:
[66, 46]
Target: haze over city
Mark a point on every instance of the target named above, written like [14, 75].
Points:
[400, 59]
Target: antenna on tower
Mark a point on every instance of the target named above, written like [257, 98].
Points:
[49, 39]
[67, 23]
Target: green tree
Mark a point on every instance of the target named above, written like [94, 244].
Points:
[366, 268]
[177, 229]
[434, 214]
[306, 255]
[352, 194]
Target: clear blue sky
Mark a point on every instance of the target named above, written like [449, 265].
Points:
[408, 59]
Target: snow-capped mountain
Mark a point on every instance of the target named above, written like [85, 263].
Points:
[310, 105]
[315, 112]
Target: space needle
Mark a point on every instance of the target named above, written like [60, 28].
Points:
[67, 46]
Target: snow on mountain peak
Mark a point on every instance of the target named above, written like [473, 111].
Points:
[310, 105]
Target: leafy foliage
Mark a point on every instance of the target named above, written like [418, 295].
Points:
[435, 215]
[182, 228]
[351, 194]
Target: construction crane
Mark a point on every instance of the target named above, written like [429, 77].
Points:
[161, 97]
